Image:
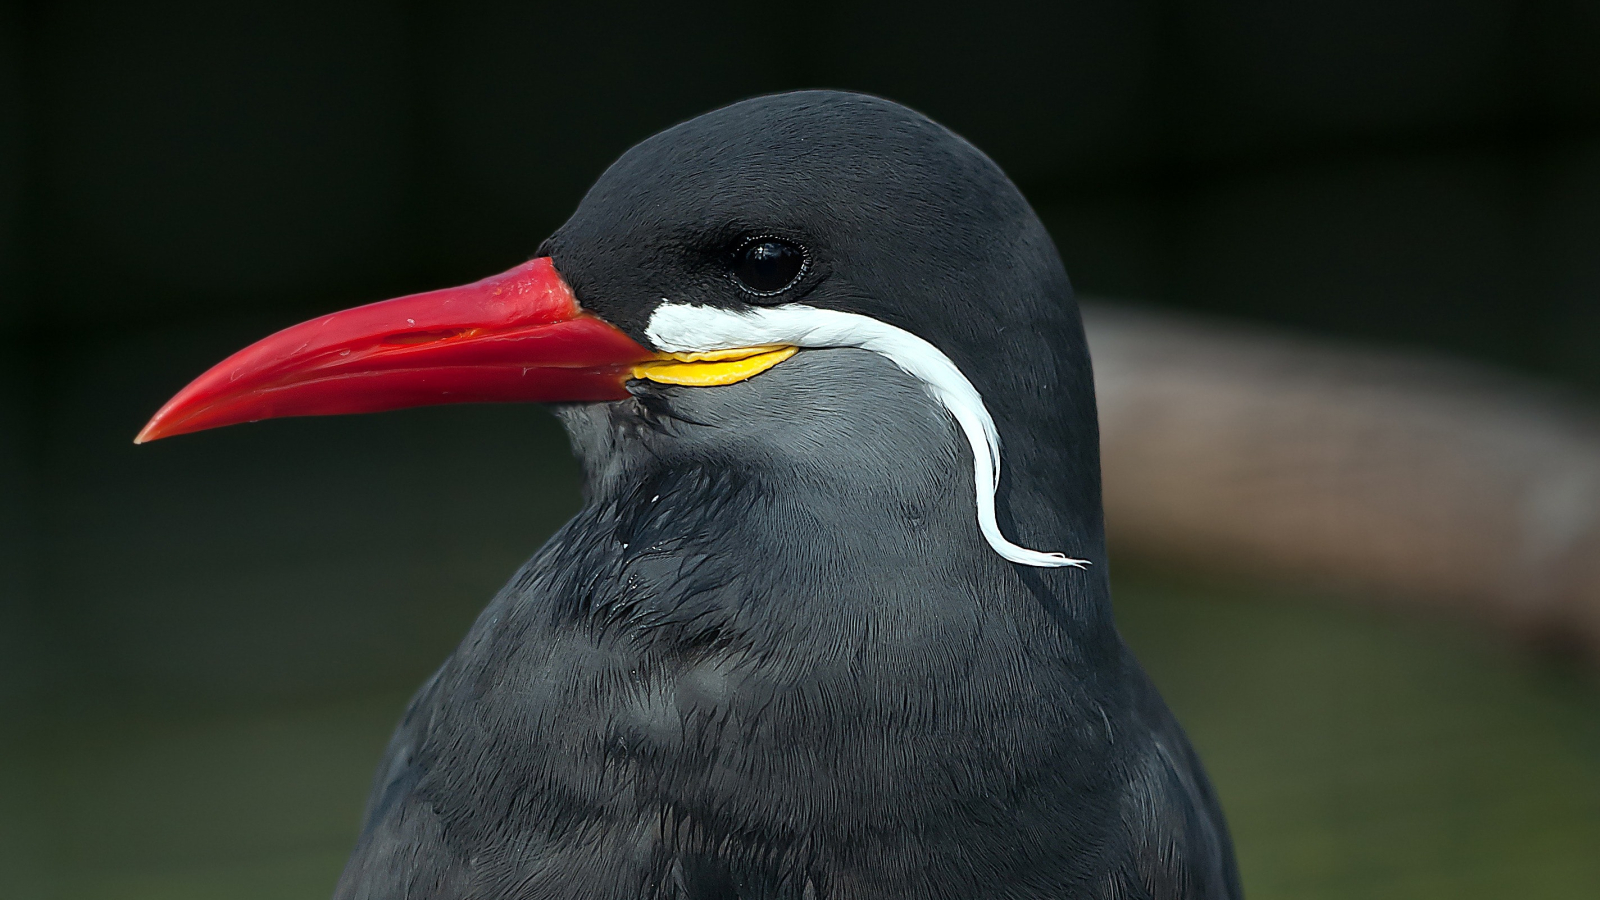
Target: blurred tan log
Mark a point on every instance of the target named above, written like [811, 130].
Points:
[1411, 479]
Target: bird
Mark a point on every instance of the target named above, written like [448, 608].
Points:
[833, 621]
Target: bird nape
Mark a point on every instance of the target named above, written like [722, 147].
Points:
[797, 642]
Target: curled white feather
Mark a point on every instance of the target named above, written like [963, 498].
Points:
[682, 328]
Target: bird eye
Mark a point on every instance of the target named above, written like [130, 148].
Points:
[768, 266]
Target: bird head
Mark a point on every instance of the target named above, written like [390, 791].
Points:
[798, 278]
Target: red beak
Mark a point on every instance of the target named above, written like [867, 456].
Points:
[519, 336]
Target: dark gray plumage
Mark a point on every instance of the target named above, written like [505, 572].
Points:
[772, 657]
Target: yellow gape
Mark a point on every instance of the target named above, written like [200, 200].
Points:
[712, 367]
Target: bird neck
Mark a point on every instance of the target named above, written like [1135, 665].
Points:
[826, 525]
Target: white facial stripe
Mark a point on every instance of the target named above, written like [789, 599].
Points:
[681, 328]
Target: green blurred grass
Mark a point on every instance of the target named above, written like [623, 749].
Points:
[1360, 755]
[1357, 754]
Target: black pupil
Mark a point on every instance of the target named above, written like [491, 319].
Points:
[768, 267]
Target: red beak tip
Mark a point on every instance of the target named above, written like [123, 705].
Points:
[463, 344]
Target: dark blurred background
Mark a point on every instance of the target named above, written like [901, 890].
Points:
[203, 642]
